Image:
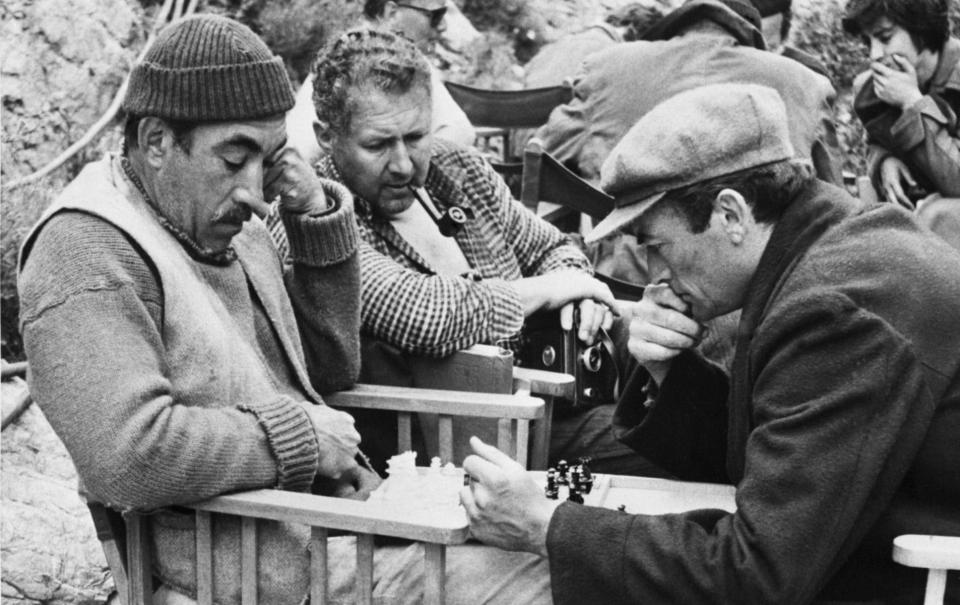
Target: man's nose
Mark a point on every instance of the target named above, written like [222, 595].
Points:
[657, 268]
[400, 161]
[250, 191]
[877, 50]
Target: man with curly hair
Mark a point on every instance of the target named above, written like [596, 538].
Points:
[427, 294]
[421, 22]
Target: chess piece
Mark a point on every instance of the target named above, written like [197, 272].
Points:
[562, 468]
[552, 490]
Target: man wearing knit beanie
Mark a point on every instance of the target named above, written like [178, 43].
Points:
[837, 423]
[163, 347]
[163, 343]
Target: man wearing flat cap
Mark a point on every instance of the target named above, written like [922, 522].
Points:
[838, 423]
[162, 340]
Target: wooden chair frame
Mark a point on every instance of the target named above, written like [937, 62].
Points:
[128, 548]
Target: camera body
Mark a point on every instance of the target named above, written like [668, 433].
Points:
[544, 345]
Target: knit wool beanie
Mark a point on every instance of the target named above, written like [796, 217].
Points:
[208, 68]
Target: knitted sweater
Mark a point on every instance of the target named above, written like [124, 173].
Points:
[96, 330]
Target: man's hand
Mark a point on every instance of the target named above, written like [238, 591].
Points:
[893, 173]
[896, 84]
[355, 483]
[505, 505]
[289, 177]
[560, 290]
[660, 330]
[337, 437]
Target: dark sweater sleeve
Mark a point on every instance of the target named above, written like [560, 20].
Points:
[322, 276]
[684, 428]
[91, 311]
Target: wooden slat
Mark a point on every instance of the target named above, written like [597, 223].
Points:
[404, 431]
[504, 436]
[364, 578]
[540, 451]
[936, 587]
[523, 441]
[542, 382]
[248, 560]
[343, 514]
[436, 401]
[318, 566]
[204, 558]
[445, 428]
[435, 559]
[139, 586]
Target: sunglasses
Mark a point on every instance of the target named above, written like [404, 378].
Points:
[435, 15]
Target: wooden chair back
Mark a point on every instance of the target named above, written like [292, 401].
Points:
[497, 113]
[548, 182]
[127, 543]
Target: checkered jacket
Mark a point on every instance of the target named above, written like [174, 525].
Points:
[406, 303]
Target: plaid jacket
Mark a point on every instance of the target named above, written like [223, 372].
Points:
[408, 305]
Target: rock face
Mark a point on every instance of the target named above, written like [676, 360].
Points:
[63, 61]
[50, 551]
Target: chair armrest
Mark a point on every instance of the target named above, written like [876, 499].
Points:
[932, 552]
[422, 525]
[542, 382]
[437, 401]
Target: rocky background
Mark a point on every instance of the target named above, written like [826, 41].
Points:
[61, 64]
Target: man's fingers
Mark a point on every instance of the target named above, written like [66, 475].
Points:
[664, 296]
[566, 317]
[665, 337]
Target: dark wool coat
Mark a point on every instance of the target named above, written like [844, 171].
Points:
[840, 427]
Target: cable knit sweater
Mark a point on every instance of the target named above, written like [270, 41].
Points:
[93, 306]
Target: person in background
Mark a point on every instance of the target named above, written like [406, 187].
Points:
[427, 294]
[702, 42]
[422, 22]
[557, 62]
[838, 422]
[909, 104]
[164, 348]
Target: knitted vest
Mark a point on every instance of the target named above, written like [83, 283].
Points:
[207, 360]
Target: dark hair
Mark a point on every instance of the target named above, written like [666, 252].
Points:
[364, 57]
[925, 20]
[373, 9]
[182, 132]
[768, 190]
[636, 17]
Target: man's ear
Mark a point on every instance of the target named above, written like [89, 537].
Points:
[324, 135]
[733, 213]
[153, 139]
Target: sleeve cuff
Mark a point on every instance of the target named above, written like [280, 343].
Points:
[506, 316]
[325, 239]
[908, 131]
[292, 441]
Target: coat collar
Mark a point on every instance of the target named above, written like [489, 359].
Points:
[814, 210]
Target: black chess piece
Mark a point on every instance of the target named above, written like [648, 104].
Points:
[552, 490]
[562, 468]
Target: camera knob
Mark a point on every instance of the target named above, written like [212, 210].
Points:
[591, 358]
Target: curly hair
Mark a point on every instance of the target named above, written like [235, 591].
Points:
[768, 190]
[926, 21]
[364, 57]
